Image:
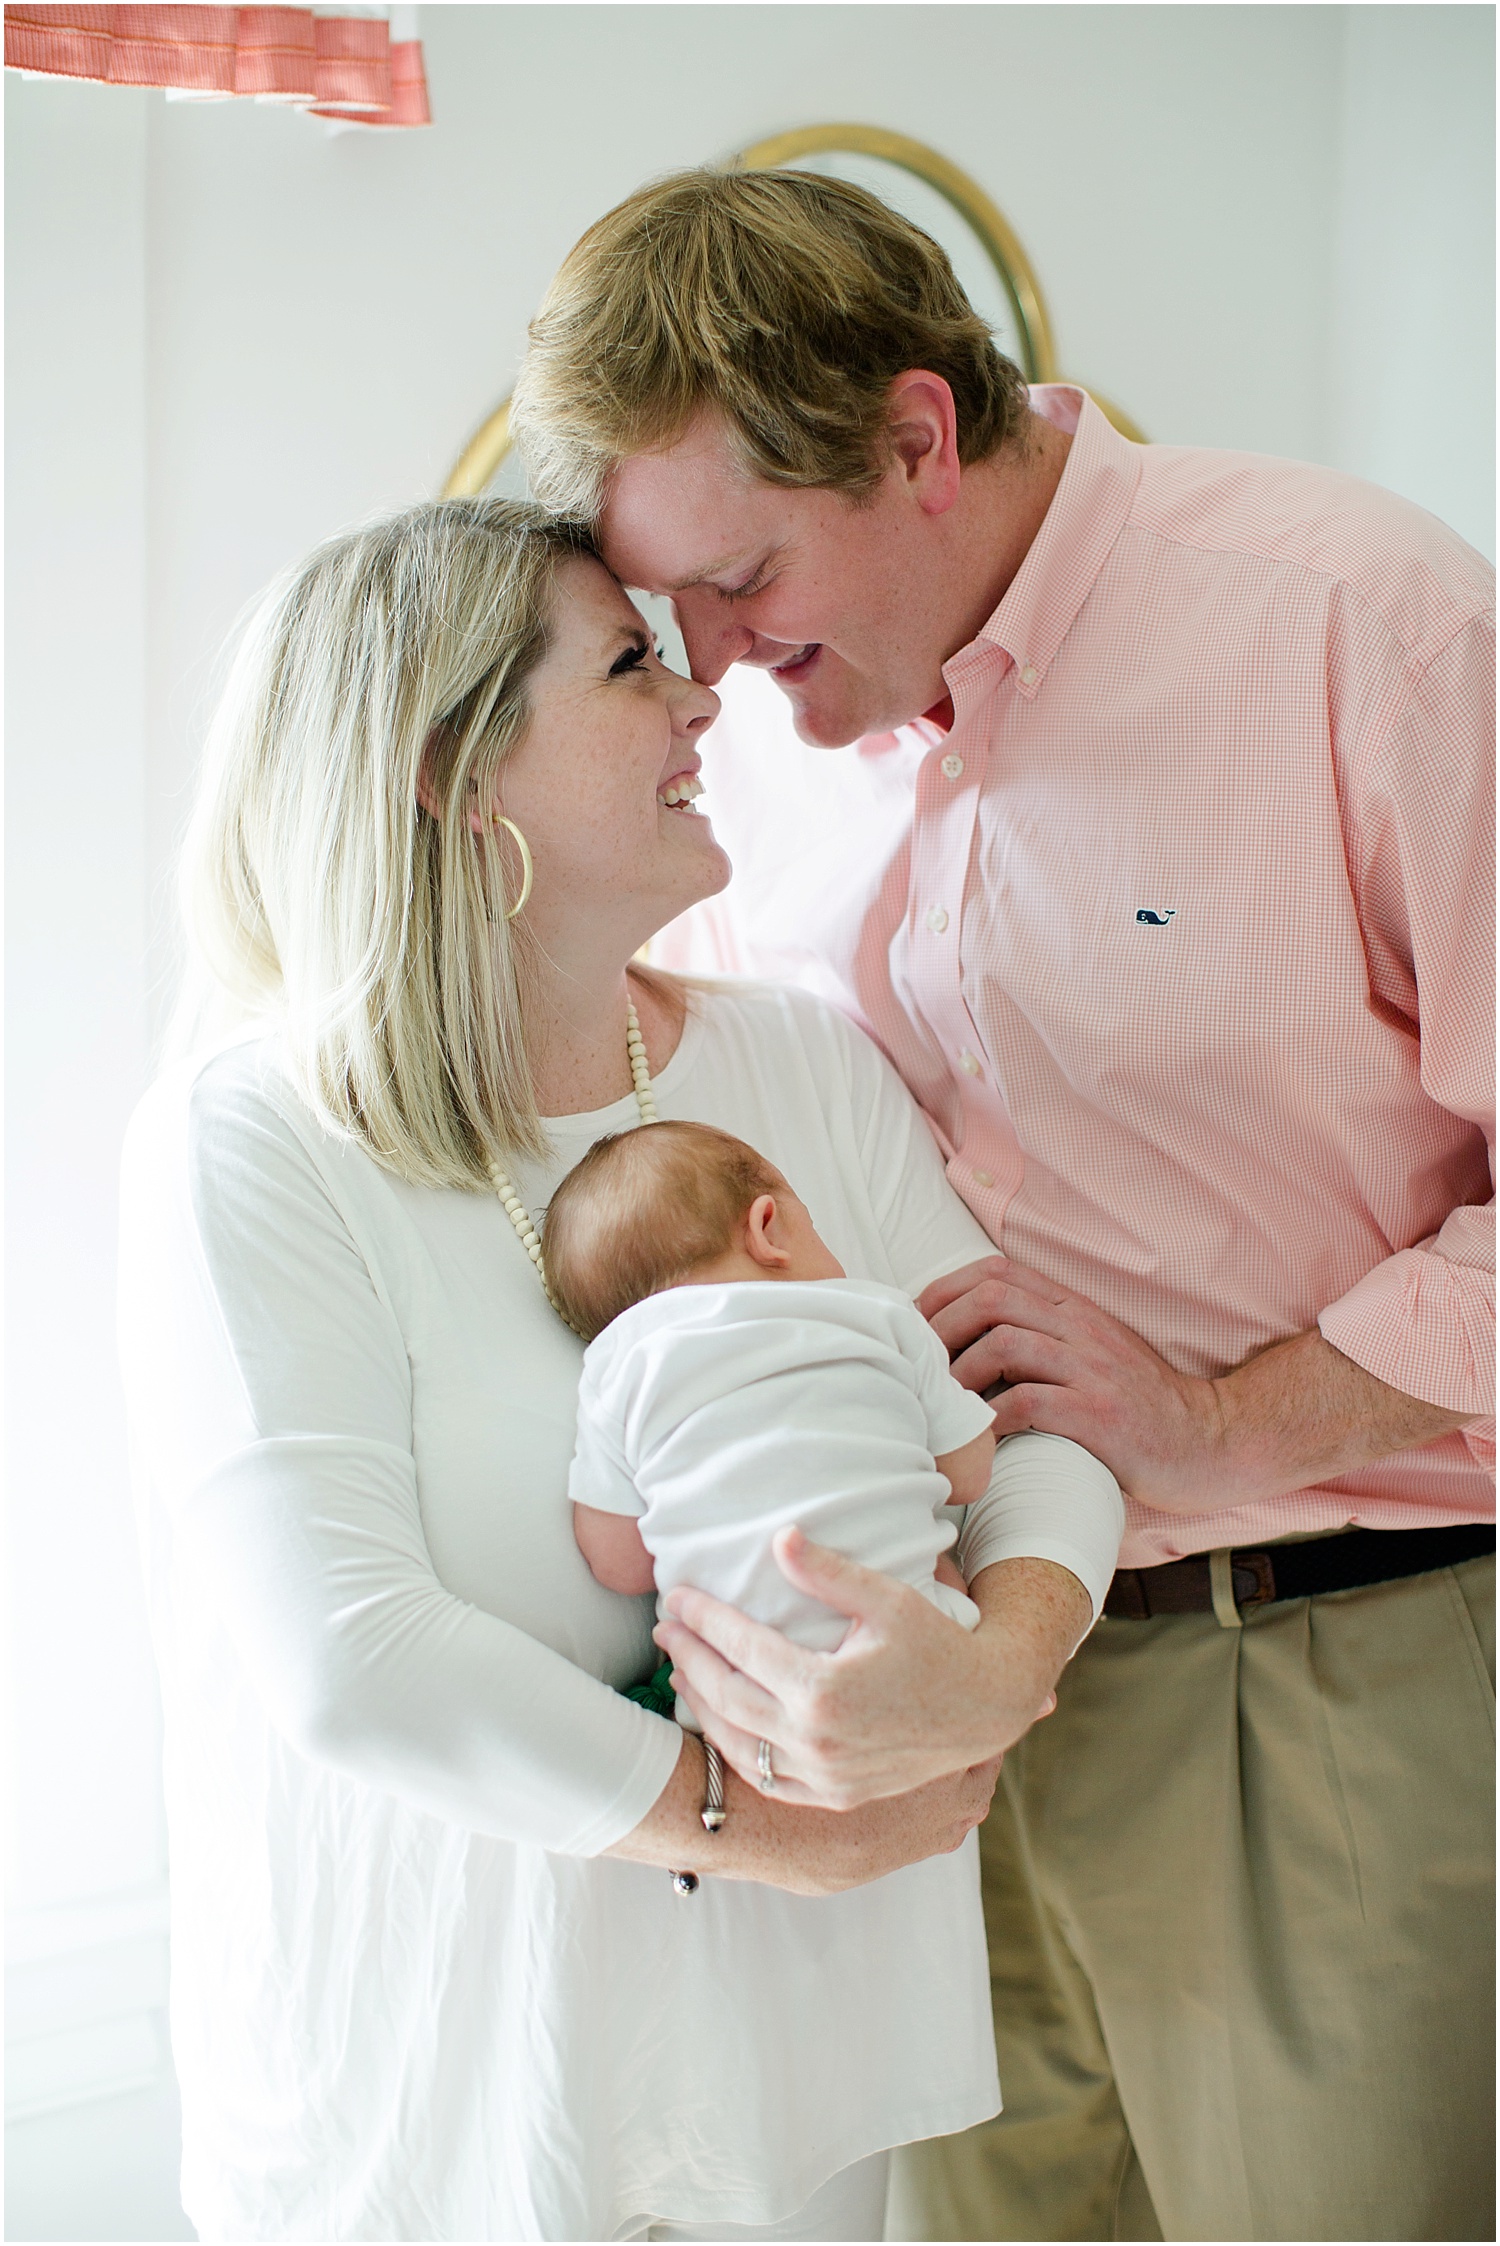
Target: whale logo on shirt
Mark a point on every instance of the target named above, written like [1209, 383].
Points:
[1156, 919]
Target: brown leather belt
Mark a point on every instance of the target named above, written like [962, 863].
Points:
[1258, 1575]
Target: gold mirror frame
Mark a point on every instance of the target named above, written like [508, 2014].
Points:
[489, 445]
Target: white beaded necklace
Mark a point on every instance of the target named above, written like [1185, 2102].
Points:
[712, 1813]
[515, 1208]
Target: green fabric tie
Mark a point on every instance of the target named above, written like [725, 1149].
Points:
[656, 1694]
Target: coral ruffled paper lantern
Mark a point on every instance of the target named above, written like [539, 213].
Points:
[334, 65]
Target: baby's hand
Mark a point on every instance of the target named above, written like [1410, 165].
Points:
[944, 1568]
[967, 1471]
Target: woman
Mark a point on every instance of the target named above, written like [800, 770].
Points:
[431, 1977]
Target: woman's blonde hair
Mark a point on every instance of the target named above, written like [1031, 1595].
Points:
[319, 894]
[787, 301]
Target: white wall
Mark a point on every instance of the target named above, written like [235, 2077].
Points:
[86, 1941]
[75, 915]
[1412, 373]
[231, 333]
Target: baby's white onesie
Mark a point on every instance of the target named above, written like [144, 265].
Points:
[718, 1414]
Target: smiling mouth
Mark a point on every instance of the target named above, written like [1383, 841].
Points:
[797, 666]
[682, 793]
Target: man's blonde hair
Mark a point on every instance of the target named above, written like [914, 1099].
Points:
[321, 898]
[787, 301]
[641, 1211]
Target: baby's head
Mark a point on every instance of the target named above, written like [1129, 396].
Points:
[671, 1205]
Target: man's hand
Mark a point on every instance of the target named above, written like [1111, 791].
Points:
[909, 1695]
[1294, 1415]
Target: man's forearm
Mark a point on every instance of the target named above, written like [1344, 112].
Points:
[1302, 1412]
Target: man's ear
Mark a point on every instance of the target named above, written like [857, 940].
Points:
[922, 423]
[759, 1246]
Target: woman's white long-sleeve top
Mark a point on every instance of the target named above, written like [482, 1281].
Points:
[410, 1997]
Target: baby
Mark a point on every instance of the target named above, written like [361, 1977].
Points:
[737, 1380]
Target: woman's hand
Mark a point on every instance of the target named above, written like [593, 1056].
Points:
[807, 1851]
[908, 1697]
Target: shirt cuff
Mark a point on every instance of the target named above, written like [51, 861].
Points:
[1425, 1325]
[605, 1495]
[962, 1418]
[643, 1779]
[1048, 1499]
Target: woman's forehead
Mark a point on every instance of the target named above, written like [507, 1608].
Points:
[592, 608]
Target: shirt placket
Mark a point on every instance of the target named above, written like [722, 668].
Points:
[987, 1164]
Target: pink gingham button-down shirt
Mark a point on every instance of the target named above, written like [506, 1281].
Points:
[1183, 934]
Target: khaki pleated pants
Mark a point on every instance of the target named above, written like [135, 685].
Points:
[1240, 1900]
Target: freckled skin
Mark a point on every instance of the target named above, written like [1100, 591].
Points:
[886, 587]
[610, 729]
[583, 782]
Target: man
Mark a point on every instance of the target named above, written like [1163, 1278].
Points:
[1161, 871]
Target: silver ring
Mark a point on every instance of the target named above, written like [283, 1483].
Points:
[763, 1765]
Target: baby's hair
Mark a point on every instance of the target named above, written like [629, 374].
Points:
[642, 1210]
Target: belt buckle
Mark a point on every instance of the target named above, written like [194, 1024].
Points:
[1261, 1571]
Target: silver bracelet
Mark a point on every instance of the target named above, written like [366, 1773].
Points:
[713, 1812]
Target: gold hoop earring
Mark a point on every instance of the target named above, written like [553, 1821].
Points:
[498, 819]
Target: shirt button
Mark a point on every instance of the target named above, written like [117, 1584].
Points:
[937, 920]
[970, 1063]
[982, 1177]
[953, 767]
[1028, 675]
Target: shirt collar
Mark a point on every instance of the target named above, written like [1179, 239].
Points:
[1089, 509]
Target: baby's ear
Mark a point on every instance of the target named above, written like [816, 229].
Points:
[759, 1218]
